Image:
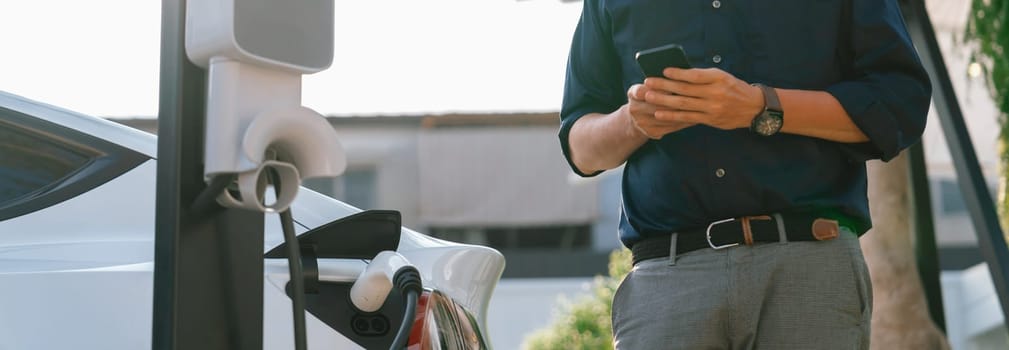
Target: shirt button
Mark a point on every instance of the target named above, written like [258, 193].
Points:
[717, 59]
[720, 172]
[716, 4]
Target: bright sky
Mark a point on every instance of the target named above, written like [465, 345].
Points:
[100, 57]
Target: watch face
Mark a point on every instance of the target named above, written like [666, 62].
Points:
[767, 123]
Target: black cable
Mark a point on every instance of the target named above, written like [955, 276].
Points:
[407, 280]
[294, 267]
[206, 201]
[297, 283]
[408, 316]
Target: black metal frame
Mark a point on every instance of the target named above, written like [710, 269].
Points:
[972, 183]
[208, 267]
[925, 249]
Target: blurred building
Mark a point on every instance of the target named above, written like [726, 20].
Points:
[497, 180]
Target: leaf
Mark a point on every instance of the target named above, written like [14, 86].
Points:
[988, 34]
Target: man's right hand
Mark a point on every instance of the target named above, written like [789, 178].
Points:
[604, 141]
[642, 114]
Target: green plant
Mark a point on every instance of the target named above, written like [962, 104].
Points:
[585, 323]
[988, 33]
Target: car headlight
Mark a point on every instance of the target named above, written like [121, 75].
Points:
[443, 324]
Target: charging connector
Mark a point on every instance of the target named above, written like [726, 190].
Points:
[373, 285]
[386, 271]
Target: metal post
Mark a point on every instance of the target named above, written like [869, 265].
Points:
[972, 184]
[208, 267]
[925, 249]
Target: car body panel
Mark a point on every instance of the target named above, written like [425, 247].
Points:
[77, 309]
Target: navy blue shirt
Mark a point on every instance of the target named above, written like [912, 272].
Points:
[856, 50]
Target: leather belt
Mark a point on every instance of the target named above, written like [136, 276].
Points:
[744, 230]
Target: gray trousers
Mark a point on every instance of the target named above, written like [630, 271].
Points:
[788, 295]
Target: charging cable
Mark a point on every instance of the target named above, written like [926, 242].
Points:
[294, 269]
[408, 281]
[205, 202]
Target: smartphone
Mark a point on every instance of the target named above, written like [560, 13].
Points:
[653, 61]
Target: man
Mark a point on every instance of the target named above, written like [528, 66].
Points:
[762, 145]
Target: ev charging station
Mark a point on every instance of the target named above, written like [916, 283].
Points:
[231, 127]
[235, 127]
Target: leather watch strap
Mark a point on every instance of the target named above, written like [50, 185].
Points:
[771, 101]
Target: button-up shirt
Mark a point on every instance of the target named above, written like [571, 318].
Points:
[859, 51]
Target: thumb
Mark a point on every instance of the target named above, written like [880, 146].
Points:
[637, 92]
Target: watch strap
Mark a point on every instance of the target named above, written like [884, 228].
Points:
[771, 101]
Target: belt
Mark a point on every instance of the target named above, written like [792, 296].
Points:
[744, 230]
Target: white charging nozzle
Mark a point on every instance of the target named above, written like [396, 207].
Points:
[376, 281]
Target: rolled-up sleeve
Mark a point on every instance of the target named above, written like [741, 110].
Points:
[886, 91]
[593, 80]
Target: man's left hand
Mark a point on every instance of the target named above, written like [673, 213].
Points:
[707, 96]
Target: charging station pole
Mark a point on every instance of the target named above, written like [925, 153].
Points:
[208, 266]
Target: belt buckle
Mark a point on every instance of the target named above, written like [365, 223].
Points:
[708, 234]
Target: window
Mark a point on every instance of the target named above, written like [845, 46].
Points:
[356, 186]
[559, 237]
[952, 201]
[359, 187]
[538, 251]
[323, 185]
[30, 164]
[42, 164]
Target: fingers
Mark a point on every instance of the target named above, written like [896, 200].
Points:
[646, 121]
[676, 102]
[637, 92]
[689, 117]
[639, 108]
[696, 75]
[708, 96]
[675, 87]
[642, 114]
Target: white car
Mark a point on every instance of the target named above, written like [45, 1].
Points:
[77, 211]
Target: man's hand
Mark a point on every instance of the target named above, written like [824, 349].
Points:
[644, 115]
[707, 96]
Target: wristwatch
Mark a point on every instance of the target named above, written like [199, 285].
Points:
[769, 121]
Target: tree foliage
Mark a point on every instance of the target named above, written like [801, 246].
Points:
[988, 34]
[585, 323]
